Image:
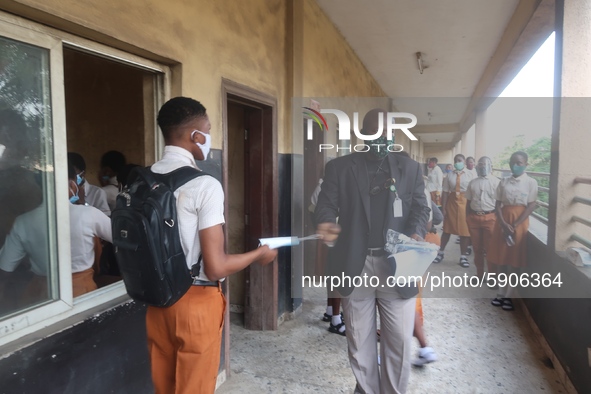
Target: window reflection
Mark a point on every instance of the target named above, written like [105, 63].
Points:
[26, 178]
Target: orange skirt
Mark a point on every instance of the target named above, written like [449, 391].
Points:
[455, 215]
[502, 254]
[83, 282]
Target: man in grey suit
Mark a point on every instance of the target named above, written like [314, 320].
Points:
[371, 192]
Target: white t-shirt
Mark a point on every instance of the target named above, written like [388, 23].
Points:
[200, 203]
[86, 222]
[112, 189]
[97, 197]
[28, 237]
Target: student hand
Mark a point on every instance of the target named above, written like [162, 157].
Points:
[267, 255]
[329, 232]
[417, 237]
[508, 229]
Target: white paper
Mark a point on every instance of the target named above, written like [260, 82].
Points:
[277, 242]
[413, 263]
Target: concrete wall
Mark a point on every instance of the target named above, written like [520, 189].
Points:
[241, 41]
[443, 156]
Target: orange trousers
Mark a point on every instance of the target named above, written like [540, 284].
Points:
[481, 232]
[185, 340]
[83, 282]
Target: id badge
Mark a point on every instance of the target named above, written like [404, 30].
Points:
[397, 208]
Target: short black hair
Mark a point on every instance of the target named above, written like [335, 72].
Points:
[114, 160]
[520, 153]
[177, 112]
[77, 160]
[123, 173]
[459, 155]
[470, 157]
[433, 159]
[71, 172]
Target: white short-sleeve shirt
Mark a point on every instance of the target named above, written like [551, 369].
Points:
[435, 179]
[482, 193]
[449, 183]
[200, 202]
[86, 222]
[97, 197]
[517, 191]
[28, 237]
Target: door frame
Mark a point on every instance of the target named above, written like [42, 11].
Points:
[265, 315]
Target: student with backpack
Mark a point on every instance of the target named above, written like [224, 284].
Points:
[184, 339]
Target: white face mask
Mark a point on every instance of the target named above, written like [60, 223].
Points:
[204, 147]
[2, 149]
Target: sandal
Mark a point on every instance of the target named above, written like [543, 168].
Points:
[497, 301]
[337, 329]
[508, 304]
[469, 251]
[326, 317]
[439, 258]
[464, 262]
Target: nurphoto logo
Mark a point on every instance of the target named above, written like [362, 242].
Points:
[344, 128]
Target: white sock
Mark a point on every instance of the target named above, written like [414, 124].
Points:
[336, 320]
[329, 310]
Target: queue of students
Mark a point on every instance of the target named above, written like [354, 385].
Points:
[490, 213]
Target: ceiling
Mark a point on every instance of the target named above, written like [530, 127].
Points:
[463, 44]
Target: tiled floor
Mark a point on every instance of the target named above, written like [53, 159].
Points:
[481, 349]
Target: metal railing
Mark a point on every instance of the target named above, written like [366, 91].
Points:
[541, 212]
[586, 201]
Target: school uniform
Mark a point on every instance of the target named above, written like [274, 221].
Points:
[86, 223]
[456, 184]
[112, 189]
[435, 184]
[184, 340]
[514, 194]
[97, 197]
[481, 193]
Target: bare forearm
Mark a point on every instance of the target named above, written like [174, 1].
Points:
[217, 264]
[228, 264]
[528, 211]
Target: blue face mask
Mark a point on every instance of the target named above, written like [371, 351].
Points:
[79, 179]
[517, 170]
[75, 198]
[459, 166]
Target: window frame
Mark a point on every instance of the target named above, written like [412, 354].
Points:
[65, 308]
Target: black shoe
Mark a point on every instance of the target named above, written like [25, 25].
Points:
[508, 304]
[326, 317]
[337, 329]
[497, 301]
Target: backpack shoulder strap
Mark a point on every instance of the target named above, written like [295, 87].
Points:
[179, 177]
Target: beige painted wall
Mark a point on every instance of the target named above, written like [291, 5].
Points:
[204, 41]
[444, 156]
[240, 41]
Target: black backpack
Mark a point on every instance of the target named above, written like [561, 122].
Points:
[146, 236]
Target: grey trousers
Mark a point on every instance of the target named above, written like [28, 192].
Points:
[397, 317]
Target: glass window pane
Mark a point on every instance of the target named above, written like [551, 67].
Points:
[28, 263]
